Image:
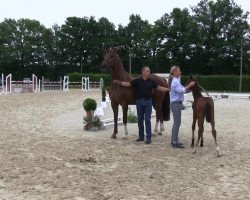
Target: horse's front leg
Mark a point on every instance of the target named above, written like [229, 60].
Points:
[125, 120]
[115, 111]
[156, 127]
[159, 118]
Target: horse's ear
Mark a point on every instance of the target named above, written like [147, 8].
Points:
[116, 49]
[106, 47]
[191, 77]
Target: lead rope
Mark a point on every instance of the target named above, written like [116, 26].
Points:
[203, 90]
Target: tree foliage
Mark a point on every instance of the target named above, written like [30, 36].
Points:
[205, 40]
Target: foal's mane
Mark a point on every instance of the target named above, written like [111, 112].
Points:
[198, 89]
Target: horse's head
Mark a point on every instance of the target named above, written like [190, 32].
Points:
[192, 78]
[109, 60]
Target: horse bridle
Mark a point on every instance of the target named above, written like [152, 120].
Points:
[108, 64]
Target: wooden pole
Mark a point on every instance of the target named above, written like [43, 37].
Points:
[241, 63]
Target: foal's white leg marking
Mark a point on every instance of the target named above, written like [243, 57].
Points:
[125, 136]
[217, 149]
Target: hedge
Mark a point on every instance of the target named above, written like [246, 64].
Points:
[228, 83]
[221, 82]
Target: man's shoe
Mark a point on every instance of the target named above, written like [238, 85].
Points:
[178, 145]
[140, 140]
[147, 142]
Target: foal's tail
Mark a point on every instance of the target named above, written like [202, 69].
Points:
[209, 112]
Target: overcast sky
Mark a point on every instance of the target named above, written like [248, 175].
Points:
[49, 12]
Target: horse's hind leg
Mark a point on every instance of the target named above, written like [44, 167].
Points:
[215, 138]
[200, 132]
[201, 145]
[193, 129]
[156, 127]
[125, 118]
[162, 129]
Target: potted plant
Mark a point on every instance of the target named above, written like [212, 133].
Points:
[89, 106]
[92, 123]
[132, 118]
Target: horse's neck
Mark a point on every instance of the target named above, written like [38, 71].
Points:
[118, 73]
[196, 94]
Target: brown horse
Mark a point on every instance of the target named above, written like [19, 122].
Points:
[203, 107]
[125, 96]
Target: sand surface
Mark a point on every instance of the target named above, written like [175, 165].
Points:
[45, 154]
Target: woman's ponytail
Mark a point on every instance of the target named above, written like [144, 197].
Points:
[170, 78]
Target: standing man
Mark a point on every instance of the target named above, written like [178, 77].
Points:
[176, 100]
[144, 86]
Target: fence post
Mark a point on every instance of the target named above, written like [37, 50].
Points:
[34, 83]
[85, 83]
[65, 83]
[2, 84]
[61, 83]
[101, 83]
[42, 87]
[8, 82]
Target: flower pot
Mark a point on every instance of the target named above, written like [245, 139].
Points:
[89, 114]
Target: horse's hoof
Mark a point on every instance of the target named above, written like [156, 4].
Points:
[192, 145]
[160, 133]
[194, 152]
[201, 145]
[154, 135]
[113, 136]
[124, 138]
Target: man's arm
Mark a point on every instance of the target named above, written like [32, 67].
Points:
[121, 83]
[162, 89]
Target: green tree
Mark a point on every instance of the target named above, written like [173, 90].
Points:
[221, 25]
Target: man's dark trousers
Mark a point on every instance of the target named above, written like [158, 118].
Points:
[144, 109]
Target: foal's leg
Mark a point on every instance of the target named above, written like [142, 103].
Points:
[193, 129]
[200, 132]
[125, 118]
[215, 139]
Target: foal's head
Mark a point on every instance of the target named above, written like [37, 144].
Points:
[196, 87]
[109, 61]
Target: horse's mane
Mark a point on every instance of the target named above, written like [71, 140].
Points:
[115, 54]
[198, 89]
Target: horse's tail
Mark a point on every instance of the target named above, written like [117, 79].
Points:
[166, 107]
[209, 112]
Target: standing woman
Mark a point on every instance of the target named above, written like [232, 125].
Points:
[177, 91]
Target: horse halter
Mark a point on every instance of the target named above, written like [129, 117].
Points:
[108, 64]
